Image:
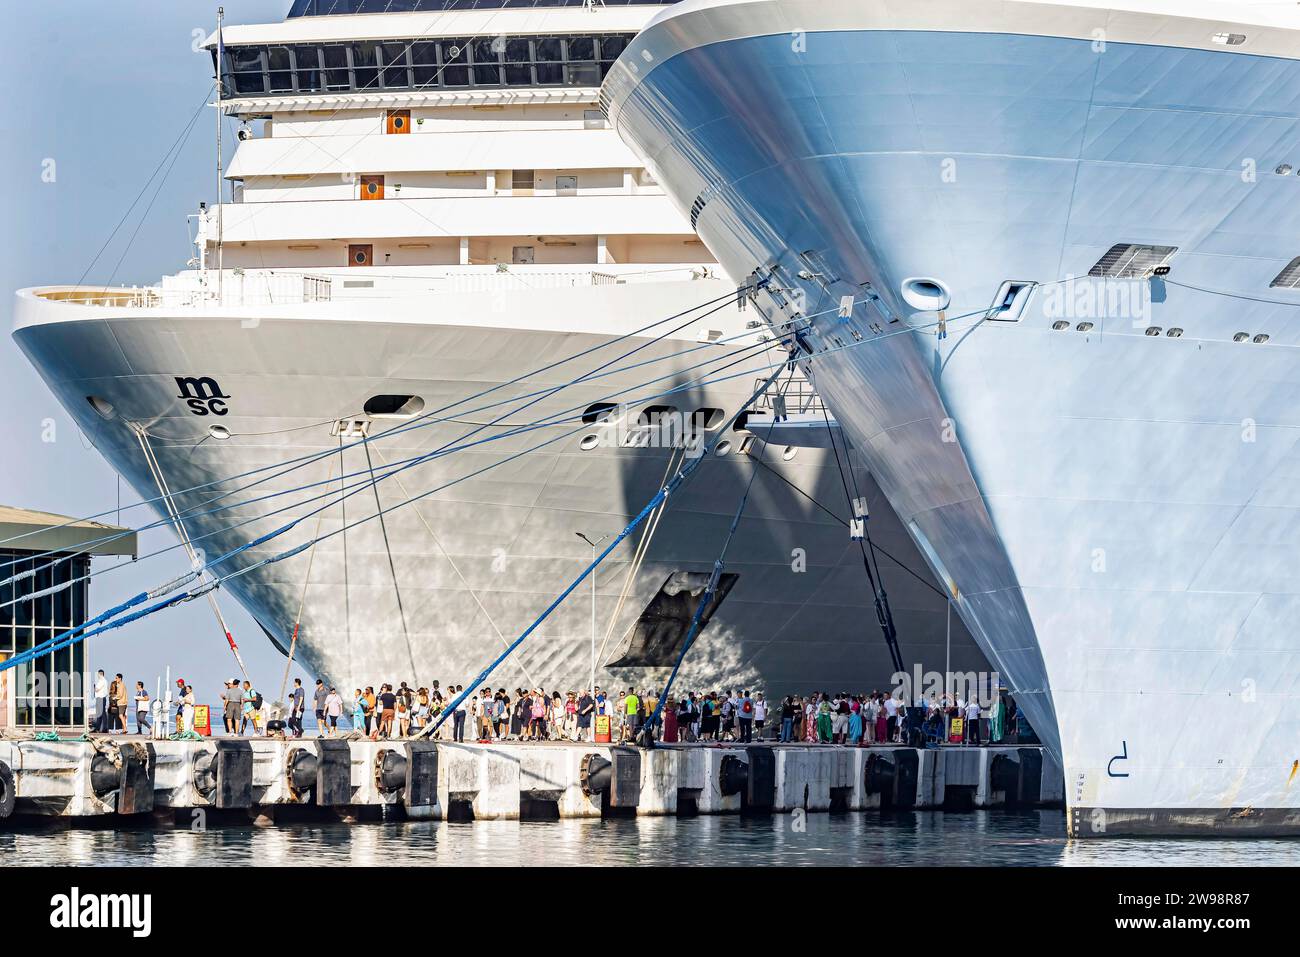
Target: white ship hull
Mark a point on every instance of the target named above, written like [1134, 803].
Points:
[439, 588]
[1117, 505]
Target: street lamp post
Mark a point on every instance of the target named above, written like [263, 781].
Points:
[591, 686]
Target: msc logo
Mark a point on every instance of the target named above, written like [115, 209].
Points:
[202, 395]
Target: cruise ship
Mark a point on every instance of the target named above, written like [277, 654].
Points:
[1064, 237]
[427, 220]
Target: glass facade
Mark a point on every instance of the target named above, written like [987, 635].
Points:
[449, 63]
[48, 691]
[326, 8]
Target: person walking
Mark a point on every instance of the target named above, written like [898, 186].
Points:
[114, 714]
[100, 724]
[359, 712]
[333, 710]
[318, 696]
[297, 706]
[141, 708]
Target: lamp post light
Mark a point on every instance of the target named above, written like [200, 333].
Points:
[591, 686]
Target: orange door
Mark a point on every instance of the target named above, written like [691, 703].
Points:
[399, 121]
[372, 187]
[360, 254]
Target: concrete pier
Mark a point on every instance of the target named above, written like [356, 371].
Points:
[361, 779]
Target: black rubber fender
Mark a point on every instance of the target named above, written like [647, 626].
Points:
[878, 777]
[8, 791]
[205, 773]
[390, 771]
[105, 776]
[594, 774]
[733, 775]
[301, 770]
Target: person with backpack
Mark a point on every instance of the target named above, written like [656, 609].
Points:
[745, 717]
[252, 702]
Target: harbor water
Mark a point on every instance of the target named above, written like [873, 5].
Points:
[1000, 837]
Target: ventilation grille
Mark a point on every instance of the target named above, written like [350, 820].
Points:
[701, 201]
[1129, 261]
[1288, 278]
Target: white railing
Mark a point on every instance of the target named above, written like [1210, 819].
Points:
[195, 289]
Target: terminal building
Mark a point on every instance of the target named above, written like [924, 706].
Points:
[44, 551]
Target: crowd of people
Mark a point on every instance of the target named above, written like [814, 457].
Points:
[539, 715]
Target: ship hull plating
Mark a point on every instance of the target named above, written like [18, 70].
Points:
[1116, 505]
[438, 588]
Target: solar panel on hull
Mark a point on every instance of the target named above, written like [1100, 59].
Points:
[1131, 261]
[1288, 278]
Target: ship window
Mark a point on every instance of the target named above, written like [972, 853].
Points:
[582, 74]
[582, 48]
[394, 406]
[103, 408]
[611, 47]
[566, 186]
[455, 57]
[336, 67]
[307, 62]
[1131, 261]
[279, 62]
[372, 187]
[523, 178]
[487, 56]
[424, 60]
[396, 74]
[1288, 278]
[365, 63]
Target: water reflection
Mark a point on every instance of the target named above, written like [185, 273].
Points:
[919, 838]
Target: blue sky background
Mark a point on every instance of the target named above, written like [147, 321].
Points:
[103, 90]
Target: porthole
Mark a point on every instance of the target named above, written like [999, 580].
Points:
[790, 452]
[219, 432]
[394, 406]
[1084, 327]
[1174, 333]
[1060, 325]
[1261, 338]
[1241, 337]
[103, 408]
[722, 448]
[589, 442]
[1152, 331]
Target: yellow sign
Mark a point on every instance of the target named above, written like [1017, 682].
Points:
[602, 728]
[202, 719]
[956, 730]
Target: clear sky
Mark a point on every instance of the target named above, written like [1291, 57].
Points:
[92, 95]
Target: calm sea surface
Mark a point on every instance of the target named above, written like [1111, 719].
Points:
[924, 838]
